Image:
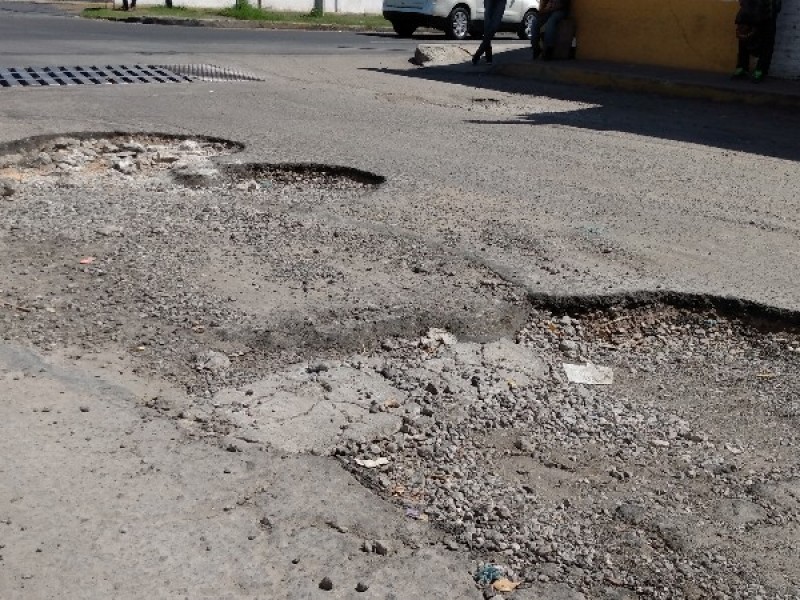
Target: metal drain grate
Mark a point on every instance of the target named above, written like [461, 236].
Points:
[116, 74]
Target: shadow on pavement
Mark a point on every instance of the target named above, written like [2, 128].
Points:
[762, 130]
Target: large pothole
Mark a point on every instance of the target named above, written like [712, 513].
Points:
[85, 159]
[679, 480]
[151, 244]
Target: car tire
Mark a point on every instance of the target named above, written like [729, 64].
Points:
[458, 23]
[524, 31]
[404, 29]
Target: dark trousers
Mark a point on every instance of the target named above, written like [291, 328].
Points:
[492, 17]
[762, 46]
[550, 23]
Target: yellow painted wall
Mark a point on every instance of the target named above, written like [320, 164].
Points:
[692, 34]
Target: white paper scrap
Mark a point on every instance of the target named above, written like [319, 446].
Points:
[372, 463]
[589, 374]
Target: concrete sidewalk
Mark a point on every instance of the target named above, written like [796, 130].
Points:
[657, 80]
[514, 60]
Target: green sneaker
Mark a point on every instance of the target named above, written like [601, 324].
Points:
[758, 76]
[739, 73]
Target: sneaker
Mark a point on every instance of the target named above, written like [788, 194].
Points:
[739, 73]
[758, 76]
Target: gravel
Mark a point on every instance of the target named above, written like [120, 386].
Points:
[656, 485]
[679, 480]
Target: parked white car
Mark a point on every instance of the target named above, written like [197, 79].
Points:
[457, 18]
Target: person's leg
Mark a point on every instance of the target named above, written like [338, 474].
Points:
[767, 47]
[551, 32]
[536, 33]
[492, 17]
[742, 60]
[486, 41]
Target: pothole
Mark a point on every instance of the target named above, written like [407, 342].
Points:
[173, 253]
[256, 176]
[80, 160]
[680, 479]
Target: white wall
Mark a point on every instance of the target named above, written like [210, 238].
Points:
[342, 6]
[786, 62]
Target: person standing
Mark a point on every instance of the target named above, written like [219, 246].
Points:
[492, 17]
[551, 13]
[756, 23]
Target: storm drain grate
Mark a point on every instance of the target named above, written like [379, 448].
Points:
[116, 74]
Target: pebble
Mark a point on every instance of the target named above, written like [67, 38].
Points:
[380, 547]
[8, 187]
[326, 584]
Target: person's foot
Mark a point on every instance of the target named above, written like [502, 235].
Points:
[537, 52]
[489, 55]
[548, 53]
[740, 73]
[758, 76]
[475, 58]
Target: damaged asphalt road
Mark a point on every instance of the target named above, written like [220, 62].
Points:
[231, 368]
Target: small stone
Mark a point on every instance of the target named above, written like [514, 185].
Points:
[133, 147]
[361, 587]
[195, 174]
[84, 408]
[126, 166]
[326, 584]
[189, 146]
[7, 187]
[380, 547]
[568, 346]
[213, 361]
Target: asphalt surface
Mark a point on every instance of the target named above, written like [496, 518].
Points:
[495, 190]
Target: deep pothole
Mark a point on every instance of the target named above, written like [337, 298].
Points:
[678, 480]
[164, 247]
[75, 160]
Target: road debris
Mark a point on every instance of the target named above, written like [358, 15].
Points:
[589, 374]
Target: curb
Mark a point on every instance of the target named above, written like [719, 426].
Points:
[234, 24]
[561, 73]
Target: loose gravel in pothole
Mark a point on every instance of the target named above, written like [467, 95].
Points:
[170, 250]
[680, 480]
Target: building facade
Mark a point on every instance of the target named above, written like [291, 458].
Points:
[787, 47]
[687, 34]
